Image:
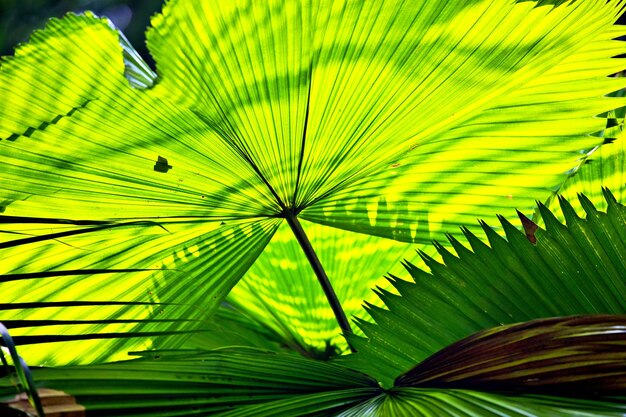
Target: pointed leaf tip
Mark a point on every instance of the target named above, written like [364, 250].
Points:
[586, 204]
[608, 195]
[568, 210]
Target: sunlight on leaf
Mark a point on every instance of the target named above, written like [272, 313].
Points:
[281, 291]
[124, 195]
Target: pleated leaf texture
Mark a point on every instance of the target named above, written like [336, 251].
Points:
[132, 202]
[572, 365]
[281, 292]
[240, 383]
[604, 167]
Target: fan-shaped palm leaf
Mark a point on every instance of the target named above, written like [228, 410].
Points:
[133, 204]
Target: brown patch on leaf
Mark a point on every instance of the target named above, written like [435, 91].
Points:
[565, 356]
[529, 227]
[55, 404]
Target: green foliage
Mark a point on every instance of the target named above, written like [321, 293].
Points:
[578, 269]
[136, 203]
[540, 367]
[605, 167]
[133, 202]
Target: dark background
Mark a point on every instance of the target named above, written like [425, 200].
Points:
[18, 18]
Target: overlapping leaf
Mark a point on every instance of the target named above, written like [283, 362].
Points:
[241, 104]
[573, 269]
[582, 356]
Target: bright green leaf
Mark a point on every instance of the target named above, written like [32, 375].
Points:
[281, 290]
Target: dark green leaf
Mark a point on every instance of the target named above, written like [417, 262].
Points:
[571, 270]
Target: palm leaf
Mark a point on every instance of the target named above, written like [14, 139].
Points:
[571, 270]
[125, 196]
[209, 383]
[605, 167]
[477, 376]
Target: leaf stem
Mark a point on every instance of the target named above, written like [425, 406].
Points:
[306, 246]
